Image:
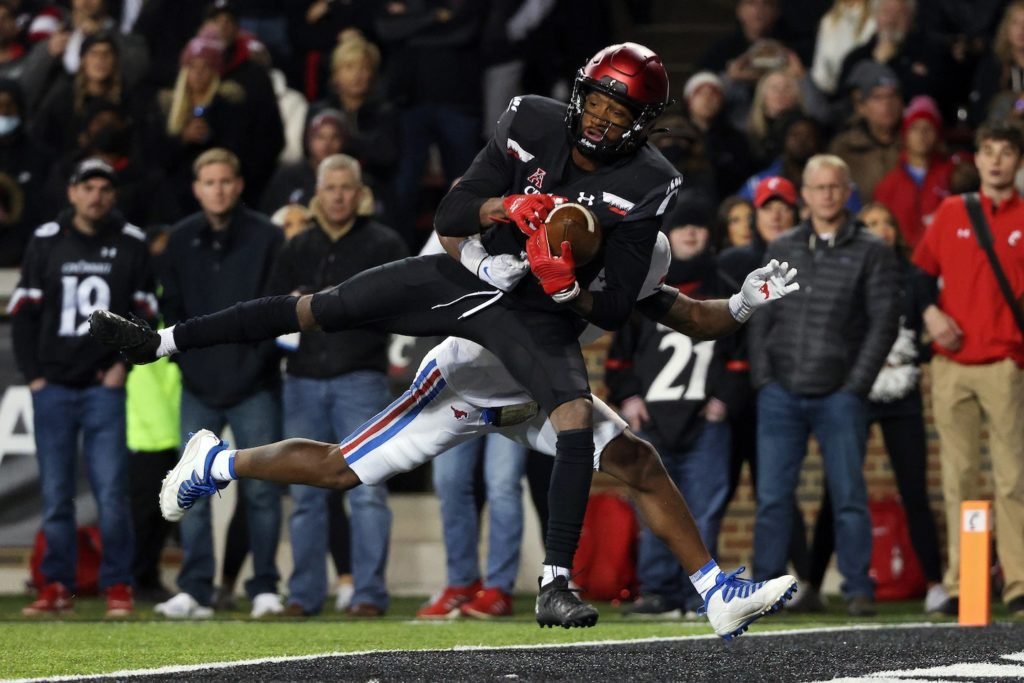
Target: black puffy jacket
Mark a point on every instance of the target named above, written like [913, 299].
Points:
[835, 332]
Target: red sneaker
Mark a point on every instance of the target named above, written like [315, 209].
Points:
[447, 604]
[488, 604]
[119, 601]
[54, 598]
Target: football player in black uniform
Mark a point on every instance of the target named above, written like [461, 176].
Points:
[88, 259]
[594, 153]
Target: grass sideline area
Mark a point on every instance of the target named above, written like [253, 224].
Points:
[86, 643]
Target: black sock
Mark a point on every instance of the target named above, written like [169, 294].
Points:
[247, 321]
[568, 494]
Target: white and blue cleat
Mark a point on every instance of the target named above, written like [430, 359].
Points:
[190, 479]
[733, 604]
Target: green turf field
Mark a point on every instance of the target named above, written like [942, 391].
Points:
[85, 643]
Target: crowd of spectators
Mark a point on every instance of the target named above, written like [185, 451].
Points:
[801, 117]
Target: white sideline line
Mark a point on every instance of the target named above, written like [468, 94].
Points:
[187, 668]
[971, 670]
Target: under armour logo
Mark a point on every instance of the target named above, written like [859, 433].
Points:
[584, 197]
[1014, 238]
[963, 233]
[459, 414]
[108, 252]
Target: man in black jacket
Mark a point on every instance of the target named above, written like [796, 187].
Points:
[333, 384]
[214, 258]
[814, 358]
[86, 260]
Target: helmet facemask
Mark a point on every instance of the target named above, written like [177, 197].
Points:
[633, 137]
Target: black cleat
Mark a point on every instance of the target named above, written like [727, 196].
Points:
[134, 338]
[558, 605]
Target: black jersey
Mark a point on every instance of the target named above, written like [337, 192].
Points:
[65, 276]
[530, 152]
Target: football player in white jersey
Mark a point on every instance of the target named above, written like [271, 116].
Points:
[462, 392]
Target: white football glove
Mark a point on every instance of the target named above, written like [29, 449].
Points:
[765, 284]
[503, 271]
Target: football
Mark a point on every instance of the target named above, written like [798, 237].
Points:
[577, 225]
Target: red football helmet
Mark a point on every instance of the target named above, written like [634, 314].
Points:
[633, 75]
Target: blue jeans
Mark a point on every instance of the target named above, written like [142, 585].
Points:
[254, 422]
[702, 475]
[838, 422]
[329, 410]
[504, 467]
[61, 415]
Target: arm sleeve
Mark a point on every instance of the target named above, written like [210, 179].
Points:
[490, 175]
[25, 310]
[657, 306]
[882, 300]
[619, 375]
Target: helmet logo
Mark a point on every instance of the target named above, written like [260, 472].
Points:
[614, 85]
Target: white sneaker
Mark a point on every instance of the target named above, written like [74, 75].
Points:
[183, 606]
[344, 598]
[266, 604]
[734, 604]
[935, 599]
[190, 479]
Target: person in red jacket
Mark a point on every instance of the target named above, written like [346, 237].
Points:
[915, 188]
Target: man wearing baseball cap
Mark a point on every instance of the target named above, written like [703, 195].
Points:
[777, 207]
[776, 210]
[89, 258]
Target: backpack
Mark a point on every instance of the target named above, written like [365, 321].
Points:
[605, 561]
[87, 573]
[894, 564]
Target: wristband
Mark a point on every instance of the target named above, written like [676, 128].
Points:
[739, 309]
[472, 253]
[568, 294]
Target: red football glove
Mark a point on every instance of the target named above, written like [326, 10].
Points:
[528, 211]
[557, 274]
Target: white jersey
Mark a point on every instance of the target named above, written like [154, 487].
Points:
[479, 377]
